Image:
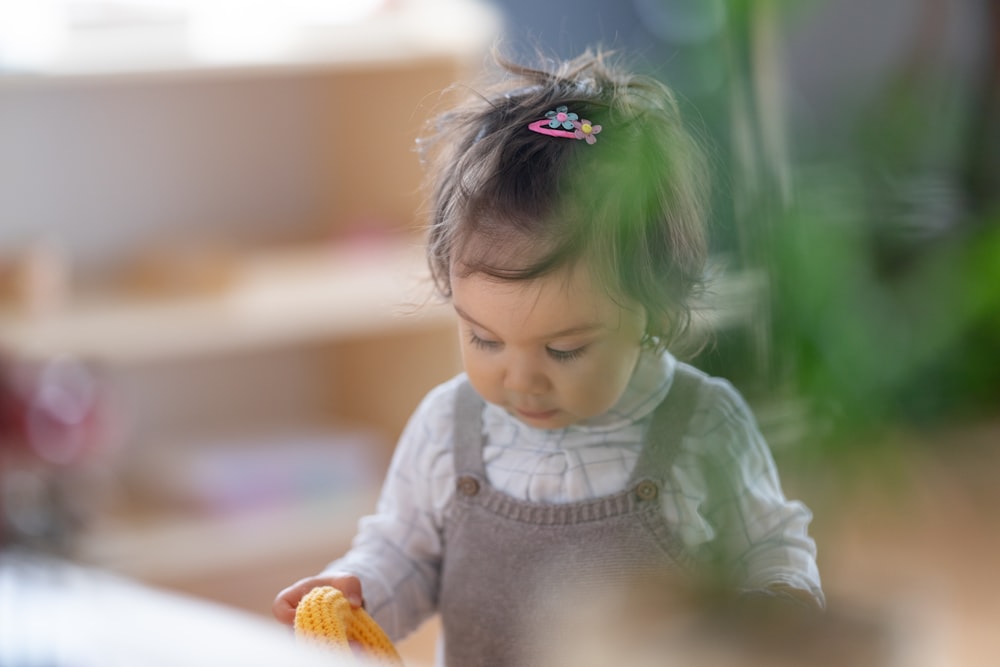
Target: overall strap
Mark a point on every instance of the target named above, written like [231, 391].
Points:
[670, 423]
[469, 431]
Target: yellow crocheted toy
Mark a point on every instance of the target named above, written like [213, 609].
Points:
[324, 616]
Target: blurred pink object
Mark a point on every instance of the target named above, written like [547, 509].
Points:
[50, 409]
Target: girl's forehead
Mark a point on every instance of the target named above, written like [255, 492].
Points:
[562, 299]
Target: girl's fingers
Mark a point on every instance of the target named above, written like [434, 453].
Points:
[283, 610]
[287, 600]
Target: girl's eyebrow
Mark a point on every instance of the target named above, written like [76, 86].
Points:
[468, 318]
[588, 327]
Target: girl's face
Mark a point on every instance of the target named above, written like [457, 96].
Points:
[552, 351]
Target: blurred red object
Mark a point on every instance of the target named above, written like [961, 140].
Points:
[50, 410]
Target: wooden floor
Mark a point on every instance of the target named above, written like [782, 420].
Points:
[917, 538]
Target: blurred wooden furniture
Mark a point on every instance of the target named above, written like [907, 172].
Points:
[331, 280]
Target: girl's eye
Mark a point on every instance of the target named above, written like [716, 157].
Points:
[482, 343]
[566, 355]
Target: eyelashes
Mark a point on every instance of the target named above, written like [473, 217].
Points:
[482, 343]
[566, 355]
[557, 355]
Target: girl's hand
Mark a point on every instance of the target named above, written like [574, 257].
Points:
[288, 600]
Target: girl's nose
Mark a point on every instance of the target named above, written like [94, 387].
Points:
[524, 377]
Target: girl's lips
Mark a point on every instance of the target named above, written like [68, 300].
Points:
[534, 415]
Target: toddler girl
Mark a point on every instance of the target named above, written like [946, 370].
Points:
[574, 451]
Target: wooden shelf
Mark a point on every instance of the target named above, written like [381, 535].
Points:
[352, 97]
[169, 548]
[286, 297]
[278, 298]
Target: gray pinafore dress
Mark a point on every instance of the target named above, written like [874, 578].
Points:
[505, 559]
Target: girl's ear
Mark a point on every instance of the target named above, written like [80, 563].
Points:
[657, 324]
[656, 332]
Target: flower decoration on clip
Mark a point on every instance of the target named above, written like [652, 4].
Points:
[564, 123]
[561, 117]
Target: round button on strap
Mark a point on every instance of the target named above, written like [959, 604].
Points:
[647, 490]
[468, 486]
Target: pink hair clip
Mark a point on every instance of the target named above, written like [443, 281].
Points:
[564, 123]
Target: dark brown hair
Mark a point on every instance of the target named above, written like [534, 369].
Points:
[513, 204]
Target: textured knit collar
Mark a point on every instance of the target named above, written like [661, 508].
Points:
[647, 387]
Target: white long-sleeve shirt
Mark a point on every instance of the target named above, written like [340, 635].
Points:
[397, 551]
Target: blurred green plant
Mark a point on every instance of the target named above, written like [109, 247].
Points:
[884, 263]
[873, 351]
